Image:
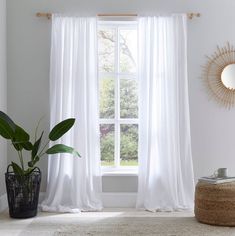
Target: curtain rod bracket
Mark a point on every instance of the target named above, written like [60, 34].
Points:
[191, 15]
[41, 14]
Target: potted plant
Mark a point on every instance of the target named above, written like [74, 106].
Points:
[23, 180]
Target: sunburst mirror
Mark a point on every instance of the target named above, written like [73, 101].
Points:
[219, 75]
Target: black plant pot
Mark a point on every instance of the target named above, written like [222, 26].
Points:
[23, 193]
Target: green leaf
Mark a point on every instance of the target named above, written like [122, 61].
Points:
[20, 139]
[17, 169]
[61, 148]
[60, 129]
[29, 170]
[6, 131]
[21, 135]
[27, 146]
[17, 145]
[20, 145]
[7, 119]
[36, 147]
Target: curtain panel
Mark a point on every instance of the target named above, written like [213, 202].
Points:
[74, 184]
[166, 181]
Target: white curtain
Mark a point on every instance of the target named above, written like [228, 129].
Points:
[165, 162]
[74, 184]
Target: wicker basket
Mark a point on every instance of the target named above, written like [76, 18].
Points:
[23, 193]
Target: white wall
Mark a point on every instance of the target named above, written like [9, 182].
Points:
[212, 126]
[3, 89]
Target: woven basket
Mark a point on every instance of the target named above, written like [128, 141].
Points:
[215, 203]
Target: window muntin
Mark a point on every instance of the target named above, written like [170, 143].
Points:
[118, 89]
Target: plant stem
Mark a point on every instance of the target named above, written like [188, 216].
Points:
[40, 153]
[21, 159]
[36, 131]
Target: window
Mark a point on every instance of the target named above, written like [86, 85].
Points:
[118, 91]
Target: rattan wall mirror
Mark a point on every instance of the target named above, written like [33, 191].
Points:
[219, 75]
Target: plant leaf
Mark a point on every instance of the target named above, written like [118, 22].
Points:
[20, 139]
[61, 148]
[36, 147]
[21, 135]
[6, 131]
[29, 171]
[60, 129]
[17, 145]
[17, 169]
[7, 119]
[20, 145]
[27, 146]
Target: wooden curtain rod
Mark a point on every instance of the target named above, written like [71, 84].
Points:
[190, 15]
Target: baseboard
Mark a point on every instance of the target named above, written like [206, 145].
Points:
[112, 200]
[119, 200]
[3, 202]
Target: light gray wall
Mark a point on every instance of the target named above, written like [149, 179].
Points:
[3, 89]
[212, 126]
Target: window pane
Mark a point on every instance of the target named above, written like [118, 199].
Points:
[107, 144]
[106, 44]
[107, 98]
[129, 145]
[128, 50]
[128, 98]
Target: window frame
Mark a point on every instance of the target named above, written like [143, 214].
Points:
[117, 121]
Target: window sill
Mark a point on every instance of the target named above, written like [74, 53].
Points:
[119, 172]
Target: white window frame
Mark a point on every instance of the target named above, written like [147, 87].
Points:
[117, 121]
